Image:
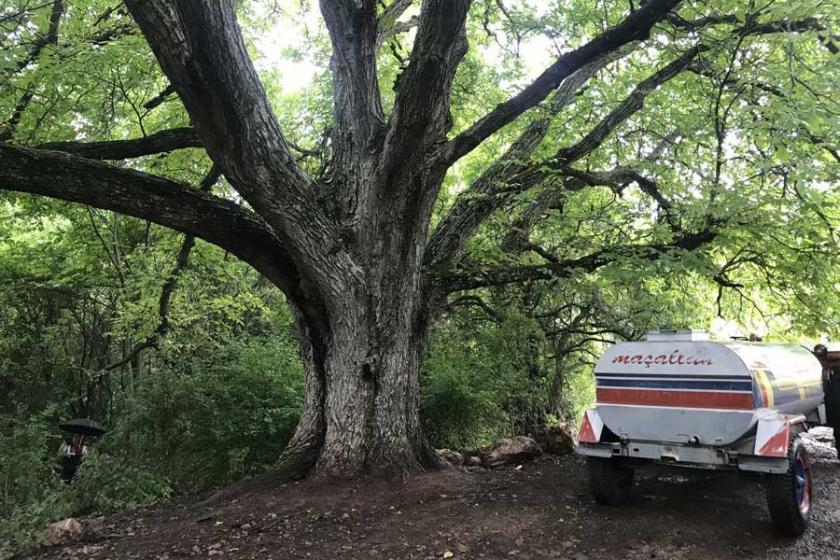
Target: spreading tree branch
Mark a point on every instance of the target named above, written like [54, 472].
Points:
[473, 301]
[156, 199]
[512, 174]
[740, 85]
[392, 13]
[492, 190]
[421, 109]
[160, 98]
[49, 38]
[631, 105]
[481, 277]
[18, 16]
[575, 180]
[635, 27]
[396, 29]
[357, 106]
[502, 182]
[387, 24]
[159, 142]
[44, 40]
[784, 26]
[201, 50]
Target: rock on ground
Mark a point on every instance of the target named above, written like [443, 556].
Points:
[472, 461]
[62, 532]
[451, 457]
[820, 443]
[557, 438]
[510, 451]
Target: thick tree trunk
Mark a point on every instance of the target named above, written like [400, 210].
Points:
[361, 413]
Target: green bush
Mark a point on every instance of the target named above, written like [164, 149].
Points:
[22, 528]
[457, 410]
[192, 423]
[218, 418]
[105, 484]
[478, 384]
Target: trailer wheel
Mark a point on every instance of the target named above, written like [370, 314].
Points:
[789, 496]
[609, 481]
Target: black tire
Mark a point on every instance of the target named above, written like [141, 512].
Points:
[789, 495]
[609, 481]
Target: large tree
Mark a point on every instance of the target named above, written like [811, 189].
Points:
[350, 243]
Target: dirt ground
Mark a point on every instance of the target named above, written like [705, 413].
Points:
[541, 510]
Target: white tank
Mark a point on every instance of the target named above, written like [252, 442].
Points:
[681, 387]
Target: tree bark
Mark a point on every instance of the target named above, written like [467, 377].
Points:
[361, 411]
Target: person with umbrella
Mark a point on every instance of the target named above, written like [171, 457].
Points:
[74, 447]
[72, 450]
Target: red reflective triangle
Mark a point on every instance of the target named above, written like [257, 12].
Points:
[586, 434]
[776, 446]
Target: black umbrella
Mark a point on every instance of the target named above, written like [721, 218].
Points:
[84, 426]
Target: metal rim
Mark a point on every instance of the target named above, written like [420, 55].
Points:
[802, 484]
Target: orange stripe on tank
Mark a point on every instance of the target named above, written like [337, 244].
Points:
[679, 399]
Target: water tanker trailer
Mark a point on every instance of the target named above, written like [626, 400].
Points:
[681, 399]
